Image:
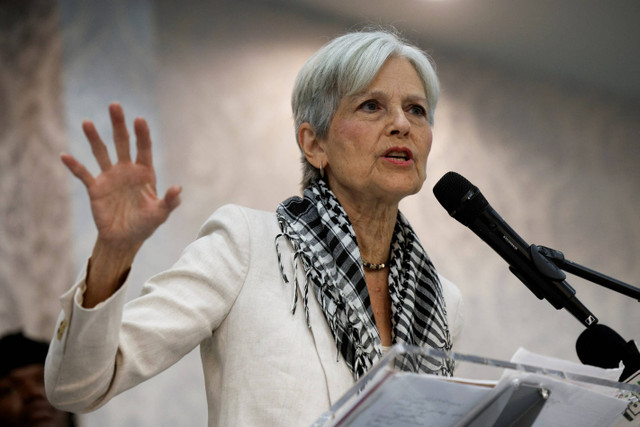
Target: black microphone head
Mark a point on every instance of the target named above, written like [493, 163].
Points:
[601, 346]
[459, 197]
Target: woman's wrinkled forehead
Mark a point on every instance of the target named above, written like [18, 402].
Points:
[364, 86]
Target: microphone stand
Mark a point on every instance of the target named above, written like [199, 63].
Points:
[629, 350]
[561, 262]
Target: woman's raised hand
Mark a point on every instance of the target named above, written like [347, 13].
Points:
[124, 202]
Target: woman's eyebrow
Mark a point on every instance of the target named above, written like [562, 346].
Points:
[381, 94]
[417, 98]
[368, 94]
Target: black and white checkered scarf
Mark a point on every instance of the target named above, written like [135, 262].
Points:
[324, 241]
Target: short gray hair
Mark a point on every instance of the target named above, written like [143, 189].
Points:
[345, 66]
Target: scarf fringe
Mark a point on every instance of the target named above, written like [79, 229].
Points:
[304, 290]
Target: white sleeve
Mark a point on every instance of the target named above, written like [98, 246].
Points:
[100, 352]
[455, 307]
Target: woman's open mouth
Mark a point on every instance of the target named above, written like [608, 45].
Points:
[399, 156]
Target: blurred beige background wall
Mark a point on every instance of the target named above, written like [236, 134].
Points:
[35, 224]
[557, 159]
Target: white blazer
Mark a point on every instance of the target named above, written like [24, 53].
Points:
[262, 364]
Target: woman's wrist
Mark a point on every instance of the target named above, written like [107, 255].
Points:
[108, 269]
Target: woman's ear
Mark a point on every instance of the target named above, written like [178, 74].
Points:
[311, 146]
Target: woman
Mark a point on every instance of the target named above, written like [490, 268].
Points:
[289, 308]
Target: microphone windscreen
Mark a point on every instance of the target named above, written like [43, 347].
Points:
[451, 189]
[459, 197]
[601, 346]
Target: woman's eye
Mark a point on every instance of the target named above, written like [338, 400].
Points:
[369, 106]
[418, 110]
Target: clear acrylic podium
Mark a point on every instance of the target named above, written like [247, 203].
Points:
[525, 395]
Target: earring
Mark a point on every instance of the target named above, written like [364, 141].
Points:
[321, 171]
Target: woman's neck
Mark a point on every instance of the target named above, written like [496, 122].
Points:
[374, 230]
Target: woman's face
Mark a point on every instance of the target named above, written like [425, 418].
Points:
[379, 139]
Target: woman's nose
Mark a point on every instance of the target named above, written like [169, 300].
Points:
[399, 124]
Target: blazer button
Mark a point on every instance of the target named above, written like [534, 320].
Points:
[61, 328]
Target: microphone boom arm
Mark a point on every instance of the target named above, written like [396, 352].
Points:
[559, 260]
[542, 277]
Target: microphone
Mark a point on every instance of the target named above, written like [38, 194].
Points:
[465, 203]
[601, 346]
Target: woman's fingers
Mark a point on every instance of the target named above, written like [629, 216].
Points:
[143, 142]
[120, 132]
[172, 197]
[77, 169]
[121, 139]
[144, 157]
[97, 146]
